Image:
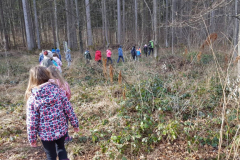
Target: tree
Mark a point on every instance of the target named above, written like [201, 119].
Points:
[79, 27]
[136, 21]
[89, 27]
[30, 40]
[166, 25]
[123, 20]
[235, 40]
[173, 22]
[105, 22]
[4, 27]
[155, 27]
[119, 21]
[73, 27]
[56, 23]
[36, 24]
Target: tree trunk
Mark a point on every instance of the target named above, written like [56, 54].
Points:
[166, 25]
[173, 22]
[155, 28]
[105, 22]
[79, 27]
[22, 22]
[143, 21]
[119, 21]
[56, 24]
[36, 24]
[73, 27]
[212, 20]
[238, 69]
[235, 41]
[31, 22]
[89, 27]
[68, 22]
[136, 21]
[4, 27]
[30, 44]
[124, 25]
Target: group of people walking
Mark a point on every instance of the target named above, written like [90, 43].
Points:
[148, 49]
[53, 57]
[136, 53]
[98, 55]
[48, 99]
[48, 105]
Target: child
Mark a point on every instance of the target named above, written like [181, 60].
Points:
[58, 61]
[133, 52]
[145, 49]
[53, 50]
[87, 56]
[120, 54]
[138, 53]
[150, 45]
[59, 55]
[59, 80]
[46, 62]
[41, 57]
[109, 53]
[98, 56]
[47, 110]
[68, 57]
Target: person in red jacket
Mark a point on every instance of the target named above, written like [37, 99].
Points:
[98, 56]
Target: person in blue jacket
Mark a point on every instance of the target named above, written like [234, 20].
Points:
[59, 55]
[120, 54]
[41, 57]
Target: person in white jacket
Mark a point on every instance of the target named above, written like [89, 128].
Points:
[68, 57]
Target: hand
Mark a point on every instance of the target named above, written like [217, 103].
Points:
[76, 130]
[34, 144]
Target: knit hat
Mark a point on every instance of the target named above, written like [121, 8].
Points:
[145, 45]
[57, 50]
[53, 50]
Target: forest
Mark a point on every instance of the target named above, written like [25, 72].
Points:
[180, 102]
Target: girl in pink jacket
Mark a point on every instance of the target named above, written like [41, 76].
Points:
[59, 80]
[109, 53]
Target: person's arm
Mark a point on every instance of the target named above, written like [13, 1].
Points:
[68, 91]
[60, 62]
[32, 121]
[68, 110]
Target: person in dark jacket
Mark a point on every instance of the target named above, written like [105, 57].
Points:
[145, 49]
[133, 52]
[87, 56]
[120, 54]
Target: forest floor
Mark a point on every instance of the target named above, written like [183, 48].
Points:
[168, 108]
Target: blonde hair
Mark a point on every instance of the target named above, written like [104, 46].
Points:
[37, 76]
[57, 75]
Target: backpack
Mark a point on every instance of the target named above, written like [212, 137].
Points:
[133, 51]
[87, 55]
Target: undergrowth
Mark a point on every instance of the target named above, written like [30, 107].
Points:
[176, 100]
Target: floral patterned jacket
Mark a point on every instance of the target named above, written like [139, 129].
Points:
[47, 109]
